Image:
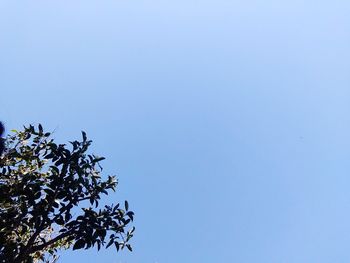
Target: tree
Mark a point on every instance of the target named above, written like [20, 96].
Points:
[2, 144]
[49, 199]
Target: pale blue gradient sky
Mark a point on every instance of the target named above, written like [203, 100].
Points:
[227, 122]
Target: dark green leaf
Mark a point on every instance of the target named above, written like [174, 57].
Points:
[79, 244]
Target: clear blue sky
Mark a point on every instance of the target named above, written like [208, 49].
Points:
[227, 122]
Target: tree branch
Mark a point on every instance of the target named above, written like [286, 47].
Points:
[52, 241]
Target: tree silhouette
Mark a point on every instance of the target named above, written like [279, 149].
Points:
[49, 199]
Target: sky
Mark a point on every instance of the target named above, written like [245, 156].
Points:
[226, 122]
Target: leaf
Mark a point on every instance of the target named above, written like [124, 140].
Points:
[79, 244]
[116, 244]
[98, 159]
[84, 136]
[60, 220]
[110, 243]
[49, 192]
[126, 205]
[40, 129]
[130, 214]
[129, 247]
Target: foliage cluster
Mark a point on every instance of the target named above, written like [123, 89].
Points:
[49, 199]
